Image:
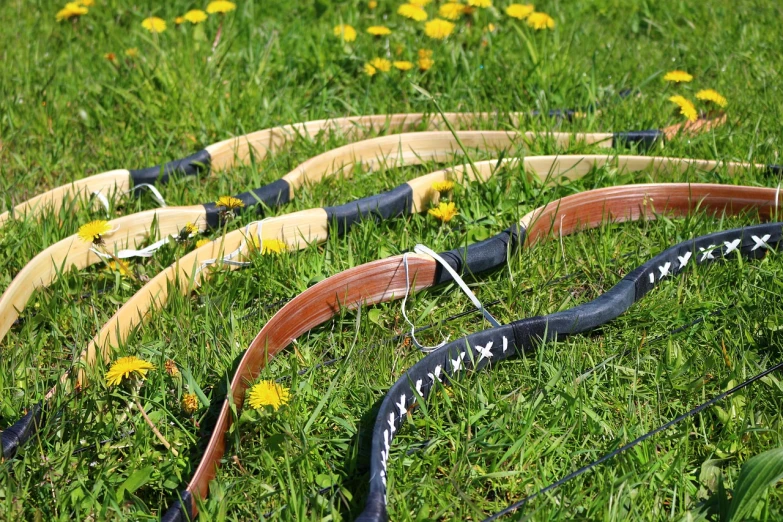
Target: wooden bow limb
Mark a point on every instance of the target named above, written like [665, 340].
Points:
[400, 149]
[229, 153]
[384, 280]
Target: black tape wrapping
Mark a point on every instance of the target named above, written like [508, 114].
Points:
[396, 202]
[482, 256]
[522, 335]
[275, 194]
[190, 166]
[181, 510]
[13, 437]
[774, 170]
[644, 140]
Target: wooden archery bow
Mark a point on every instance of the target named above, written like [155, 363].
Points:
[398, 150]
[481, 349]
[384, 280]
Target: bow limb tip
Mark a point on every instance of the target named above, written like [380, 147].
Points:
[181, 510]
[13, 437]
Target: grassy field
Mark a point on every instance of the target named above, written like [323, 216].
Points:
[76, 102]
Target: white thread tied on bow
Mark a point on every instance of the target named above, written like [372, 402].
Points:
[421, 249]
[156, 195]
[229, 258]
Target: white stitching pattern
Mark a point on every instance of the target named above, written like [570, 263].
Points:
[731, 246]
[485, 352]
[760, 242]
[707, 252]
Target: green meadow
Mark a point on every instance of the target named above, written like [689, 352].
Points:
[98, 91]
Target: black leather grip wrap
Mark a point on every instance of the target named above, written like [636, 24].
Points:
[644, 140]
[775, 170]
[396, 202]
[482, 256]
[13, 437]
[189, 166]
[181, 510]
[481, 349]
[275, 194]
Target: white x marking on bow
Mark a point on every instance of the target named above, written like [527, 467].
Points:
[456, 364]
[707, 252]
[731, 246]
[760, 242]
[684, 259]
[664, 270]
[401, 405]
[435, 376]
[418, 387]
[485, 352]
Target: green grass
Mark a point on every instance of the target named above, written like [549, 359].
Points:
[67, 112]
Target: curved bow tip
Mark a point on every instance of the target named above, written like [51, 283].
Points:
[374, 511]
[13, 437]
[181, 510]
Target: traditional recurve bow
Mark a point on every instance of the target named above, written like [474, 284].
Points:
[390, 278]
[401, 149]
[481, 349]
[301, 228]
[240, 150]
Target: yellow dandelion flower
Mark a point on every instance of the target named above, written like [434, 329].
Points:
[425, 59]
[438, 29]
[94, 231]
[713, 96]
[444, 212]
[490, 28]
[480, 3]
[189, 230]
[195, 16]
[403, 65]
[220, 6]
[179, 20]
[540, 21]
[86, 3]
[111, 57]
[132, 52]
[687, 108]
[372, 4]
[419, 3]
[345, 32]
[189, 403]
[268, 393]
[120, 267]
[201, 242]
[520, 11]
[154, 24]
[451, 10]
[125, 368]
[414, 12]
[71, 10]
[273, 246]
[171, 368]
[379, 30]
[369, 70]
[443, 186]
[381, 64]
[677, 77]
[229, 203]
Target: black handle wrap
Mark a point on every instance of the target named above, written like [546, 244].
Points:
[275, 194]
[482, 256]
[13, 437]
[396, 202]
[775, 170]
[181, 510]
[190, 166]
[478, 350]
[644, 140]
